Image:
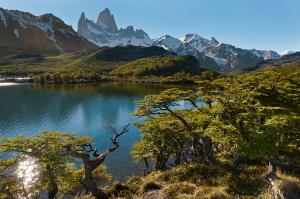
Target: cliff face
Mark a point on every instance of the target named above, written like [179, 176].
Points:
[46, 34]
[105, 32]
[107, 20]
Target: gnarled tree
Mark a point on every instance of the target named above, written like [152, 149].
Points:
[92, 160]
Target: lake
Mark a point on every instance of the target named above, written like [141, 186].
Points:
[85, 109]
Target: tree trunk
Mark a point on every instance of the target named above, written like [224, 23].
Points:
[272, 171]
[52, 188]
[161, 162]
[208, 153]
[197, 150]
[178, 158]
[202, 150]
[91, 184]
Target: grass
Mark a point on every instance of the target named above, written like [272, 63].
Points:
[286, 186]
[215, 181]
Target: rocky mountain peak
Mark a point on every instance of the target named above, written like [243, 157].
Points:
[82, 16]
[107, 21]
[105, 32]
[168, 42]
[190, 36]
[82, 23]
[45, 34]
[214, 41]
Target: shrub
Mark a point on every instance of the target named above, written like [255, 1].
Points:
[176, 190]
[150, 186]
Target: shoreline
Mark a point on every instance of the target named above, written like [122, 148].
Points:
[15, 79]
[122, 80]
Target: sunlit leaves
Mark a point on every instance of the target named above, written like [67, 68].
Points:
[50, 151]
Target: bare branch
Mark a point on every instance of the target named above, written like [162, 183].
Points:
[101, 157]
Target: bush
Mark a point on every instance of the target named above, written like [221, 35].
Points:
[135, 183]
[121, 190]
[150, 186]
[176, 190]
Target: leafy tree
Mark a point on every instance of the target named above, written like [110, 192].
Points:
[46, 150]
[255, 115]
[162, 137]
[263, 108]
[73, 181]
[195, 119]
[54, 154]
[9, 186]
[91, 159]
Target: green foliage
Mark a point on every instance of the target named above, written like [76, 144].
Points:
[263, 107]
[158, 66]
[53, 164]
[130, 63]
[72, 181]
[161, 136]
[256, 115]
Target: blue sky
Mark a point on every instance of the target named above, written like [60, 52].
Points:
[261, 24]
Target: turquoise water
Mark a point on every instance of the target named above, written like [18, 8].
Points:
[85, 109]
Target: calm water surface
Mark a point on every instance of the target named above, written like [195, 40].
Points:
[87, 109]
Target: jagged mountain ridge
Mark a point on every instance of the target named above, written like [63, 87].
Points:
[227, 57]
[177, 46]
[45, 34]
[210, 52]
[106, 33]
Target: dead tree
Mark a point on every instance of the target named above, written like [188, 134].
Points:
[91, 160]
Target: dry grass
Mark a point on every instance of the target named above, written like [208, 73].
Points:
[285, 187]
[197, 181]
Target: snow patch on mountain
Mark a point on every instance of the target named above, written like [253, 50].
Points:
[287, 52]
[168, 42]
[220, 61]
[265, 54]
[3, 18]
[16, 32]
[199, 43]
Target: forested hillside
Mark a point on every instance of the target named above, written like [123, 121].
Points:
[129, 63]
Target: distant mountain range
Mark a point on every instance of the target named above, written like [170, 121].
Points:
[47, 34]
[287, 59]
[210, 52]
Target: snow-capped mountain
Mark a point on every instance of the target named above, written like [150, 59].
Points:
[266, 54]
[287, 52]
[45, 34]
[177, 46]
[199, 43]
[168, 42]
[105, 32]
[223, 57]
[210, 52]
[237, 58]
